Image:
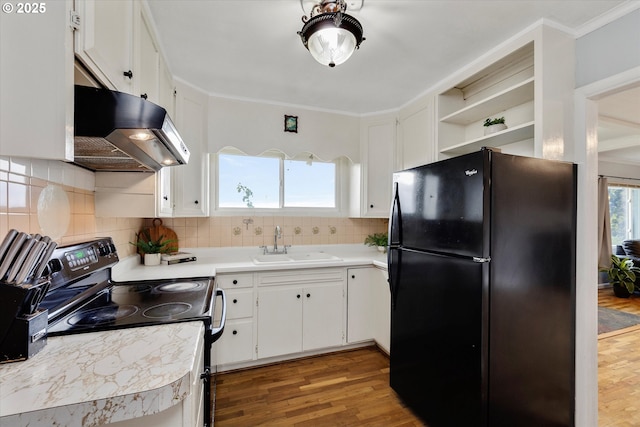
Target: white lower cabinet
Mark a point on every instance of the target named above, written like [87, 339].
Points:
[187, 413]
[303, 311]
[368, 306]
[360, 304]
[382, 309]
[236, 343]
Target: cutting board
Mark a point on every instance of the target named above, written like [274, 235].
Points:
[158, 230]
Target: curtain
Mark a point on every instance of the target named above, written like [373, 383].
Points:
[604, 224]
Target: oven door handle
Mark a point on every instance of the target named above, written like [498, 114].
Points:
[217, 332]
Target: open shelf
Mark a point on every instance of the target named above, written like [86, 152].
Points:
[507, 98]
[507, 136]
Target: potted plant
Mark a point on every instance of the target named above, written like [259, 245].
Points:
[622, 276]
[151, 249]
[379, 240]
[494, 125]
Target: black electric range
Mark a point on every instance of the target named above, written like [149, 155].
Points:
[82, 298]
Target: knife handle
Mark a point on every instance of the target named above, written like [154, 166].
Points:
[19, 260]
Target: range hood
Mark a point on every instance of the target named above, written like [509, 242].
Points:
[116, 131]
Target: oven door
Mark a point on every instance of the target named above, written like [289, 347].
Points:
[218, 320]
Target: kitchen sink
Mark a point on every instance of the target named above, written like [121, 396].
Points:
[295, 257]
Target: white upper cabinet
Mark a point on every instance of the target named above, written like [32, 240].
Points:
[104, 41]
[415, 135]
[190, 183]
[371, 182]
[146, 60]
[36, 83]
[529, 82]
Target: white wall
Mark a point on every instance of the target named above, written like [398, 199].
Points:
[256, 127]
[600, 68]
[609, 50]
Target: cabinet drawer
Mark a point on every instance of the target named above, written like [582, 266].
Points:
[240, 304]
[301, 277]
[232, 281]
[236, 343]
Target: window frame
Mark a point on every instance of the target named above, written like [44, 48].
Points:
[631, 232]
[340, 189]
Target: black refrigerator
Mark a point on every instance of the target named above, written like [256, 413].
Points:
[482, 277]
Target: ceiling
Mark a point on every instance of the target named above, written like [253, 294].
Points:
[619, 126]
[249, 49]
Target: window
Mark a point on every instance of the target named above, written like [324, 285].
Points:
[272, 182]
[624, 207]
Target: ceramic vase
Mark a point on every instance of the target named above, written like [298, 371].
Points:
[152, 259]
[488, 130]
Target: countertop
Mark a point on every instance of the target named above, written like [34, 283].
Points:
[100, 377]
[210, 261]
[79, 380]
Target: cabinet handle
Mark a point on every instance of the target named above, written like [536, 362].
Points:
[144, 96]
[235, 301]
[205, 375]
[196, 202]
[235, 282]
[371, 206]
[165, 197]
[308, 295]
[353, 276]
[298, 296]
[234, 332]
[128, 74]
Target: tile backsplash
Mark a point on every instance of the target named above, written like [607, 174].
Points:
[22, 183]
[260, 230]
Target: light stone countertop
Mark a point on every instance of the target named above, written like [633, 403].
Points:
[211, 261]
[93, 378]
[101, 377]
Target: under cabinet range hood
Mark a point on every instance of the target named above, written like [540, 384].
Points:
[116, 131]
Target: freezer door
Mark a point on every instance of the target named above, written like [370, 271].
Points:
[441, 207]
[436, 337]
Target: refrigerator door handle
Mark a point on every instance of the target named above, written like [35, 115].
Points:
[479, 259]
[393, 268]
[395, 226]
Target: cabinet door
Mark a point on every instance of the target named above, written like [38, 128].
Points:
[165, 193]
[147, 61]
[322, 316]
[381, 305]
[360, 304]
[36, 84]
[378, 147]
[104, 40]
[166, 97]
[191, 181]
[416, 145]
[279, 321]
[236, 343]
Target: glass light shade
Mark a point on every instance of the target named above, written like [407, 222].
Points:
[331, 46]
[331, 37]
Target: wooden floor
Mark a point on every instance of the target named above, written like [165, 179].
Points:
[619, 367]
[349, 388]
[352, 388]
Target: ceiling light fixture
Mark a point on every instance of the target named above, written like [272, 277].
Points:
[329, 33]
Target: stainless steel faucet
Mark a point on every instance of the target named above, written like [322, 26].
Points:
[277, 235]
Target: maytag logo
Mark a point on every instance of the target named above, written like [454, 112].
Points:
[471, 172]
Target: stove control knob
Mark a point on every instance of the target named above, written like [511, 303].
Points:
[103, 250]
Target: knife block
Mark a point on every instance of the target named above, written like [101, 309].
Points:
[23, 328]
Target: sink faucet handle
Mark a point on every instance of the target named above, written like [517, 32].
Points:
[285, 248]
[264, 249]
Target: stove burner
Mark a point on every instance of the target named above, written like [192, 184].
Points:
[131, 289]
[166, 310]
[180, 286]
[102, 315]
